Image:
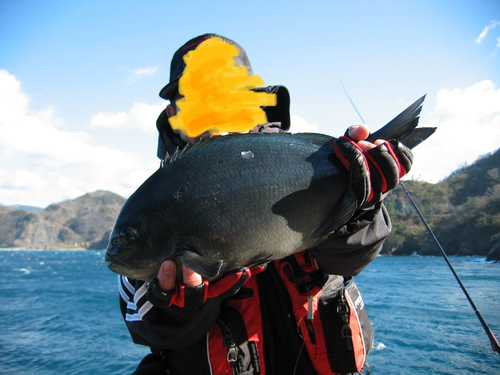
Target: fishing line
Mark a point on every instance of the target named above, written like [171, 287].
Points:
[493, 340]
[348, 97]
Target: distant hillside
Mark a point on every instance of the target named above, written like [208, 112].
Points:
[27, 208]
[84, 222]
[463, 211]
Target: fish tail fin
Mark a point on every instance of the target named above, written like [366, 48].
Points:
[404, 127]
[207, 268]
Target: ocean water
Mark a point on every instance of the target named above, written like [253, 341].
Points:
[59, 315]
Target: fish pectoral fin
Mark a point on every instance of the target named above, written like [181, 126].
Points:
[207, 268]
[342, 213]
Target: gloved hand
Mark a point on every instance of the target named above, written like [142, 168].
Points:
[193, 292]
[375, 168]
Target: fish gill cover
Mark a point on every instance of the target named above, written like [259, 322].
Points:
[217, 94]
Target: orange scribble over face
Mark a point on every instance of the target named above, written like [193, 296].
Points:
[218, 95]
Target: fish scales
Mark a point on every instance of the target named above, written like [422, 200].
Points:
[235, 199]
[238, 201]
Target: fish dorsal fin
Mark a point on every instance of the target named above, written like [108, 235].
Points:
[208, 268]
[198, 145]
[186, 150]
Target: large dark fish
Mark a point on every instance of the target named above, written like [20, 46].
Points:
[239, 200]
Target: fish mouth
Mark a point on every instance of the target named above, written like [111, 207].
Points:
[144, 273]
[124, 261]
[113, 261]
[115, 265]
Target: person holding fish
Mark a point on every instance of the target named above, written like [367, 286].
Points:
[279, 297]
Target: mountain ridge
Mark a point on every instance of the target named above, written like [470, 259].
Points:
[81, 223]
[463, 211]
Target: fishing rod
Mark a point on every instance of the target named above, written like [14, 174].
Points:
[493, 340]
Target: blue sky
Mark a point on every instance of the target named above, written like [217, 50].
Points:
[79, 80]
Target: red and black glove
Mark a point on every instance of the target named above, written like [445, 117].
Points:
[375, 172]
[192, 297]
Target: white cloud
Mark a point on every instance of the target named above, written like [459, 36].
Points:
[143, 115]
[134, 75]
[12, 100]
[41, 164]
[300, 125]
[140, 116]
[468, 126]
[142, 72]
[485, 31]
[20, 179]
[109, 120]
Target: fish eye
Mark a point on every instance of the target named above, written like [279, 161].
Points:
[128, 235]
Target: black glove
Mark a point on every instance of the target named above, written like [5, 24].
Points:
[192, 297]
[375, 172]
